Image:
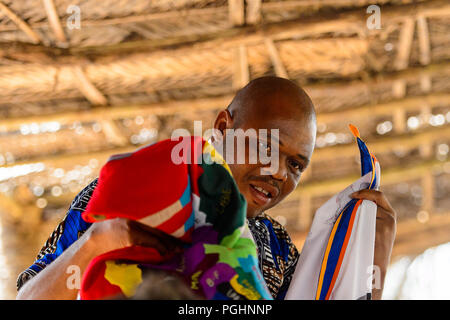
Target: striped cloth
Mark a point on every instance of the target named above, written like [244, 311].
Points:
[196, 201]
[337, 257]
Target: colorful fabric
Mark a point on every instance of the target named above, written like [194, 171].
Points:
[337, 257]
[277, 255]
[197, 203]
[277, 275]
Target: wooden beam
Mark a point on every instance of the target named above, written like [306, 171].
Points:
[315, 188]
[63, 160]
[408, 141]
[429, 9]
[399, 88]
[404, 44]
[241, 73]
[253, 12]
[381, 145]
[424, 40]
[123, 112]
[428, 192]
[175, 14]
[408, 104]
[425, 111]
[112, 133]
[204, 104]
[209, 104]
[35, 38]
[87, 88]
[351, 20]
[426, 149]
[389, 176]
[236, 12]
[399, 120]
[54, 21]
[280, 70]
[425, 83]
[409, 75]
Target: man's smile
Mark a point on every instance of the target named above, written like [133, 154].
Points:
[263, 193]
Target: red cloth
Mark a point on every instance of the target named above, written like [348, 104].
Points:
[95, 286]
[136, 193]
[154, 183]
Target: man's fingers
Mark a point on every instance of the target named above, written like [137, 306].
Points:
[149, 237]
[170, 240]
[145, 239]
[367, 194]
[376, 196]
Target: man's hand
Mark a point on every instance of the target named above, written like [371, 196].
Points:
[101, 237]
[119, 233]
[386, 227]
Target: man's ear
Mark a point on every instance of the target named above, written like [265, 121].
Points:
[223, 121]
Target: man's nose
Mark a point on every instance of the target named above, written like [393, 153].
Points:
[280, 175]
[280, 172]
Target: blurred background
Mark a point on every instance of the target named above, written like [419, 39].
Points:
[81, 80]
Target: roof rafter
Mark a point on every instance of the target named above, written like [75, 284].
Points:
[280, 70]
[351, 20]
[241, 73]
[253, 11]
[424, 40]
[388, 108]
[404, 45]
[407, 141]
[54, 21]
[120, 112]
[87, 88]
[180, 107]
[113, 133]
[35, 38]
[390, 176]
[236, 12]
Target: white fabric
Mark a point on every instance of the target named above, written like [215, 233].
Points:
[355, 276]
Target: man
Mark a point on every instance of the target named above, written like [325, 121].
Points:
[265, 103]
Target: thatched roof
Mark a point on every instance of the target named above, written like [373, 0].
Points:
[136, 70]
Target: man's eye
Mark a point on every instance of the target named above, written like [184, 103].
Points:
[296, 165]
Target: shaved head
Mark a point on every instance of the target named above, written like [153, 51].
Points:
[270, 103]
[268, 94]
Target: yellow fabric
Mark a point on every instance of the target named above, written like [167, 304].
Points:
[125, 276]
[248, 292]
[215, 156]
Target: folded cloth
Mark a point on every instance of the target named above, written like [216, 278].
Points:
[185, 189]
[336, 261]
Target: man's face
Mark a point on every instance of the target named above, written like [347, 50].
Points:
[295, 147]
